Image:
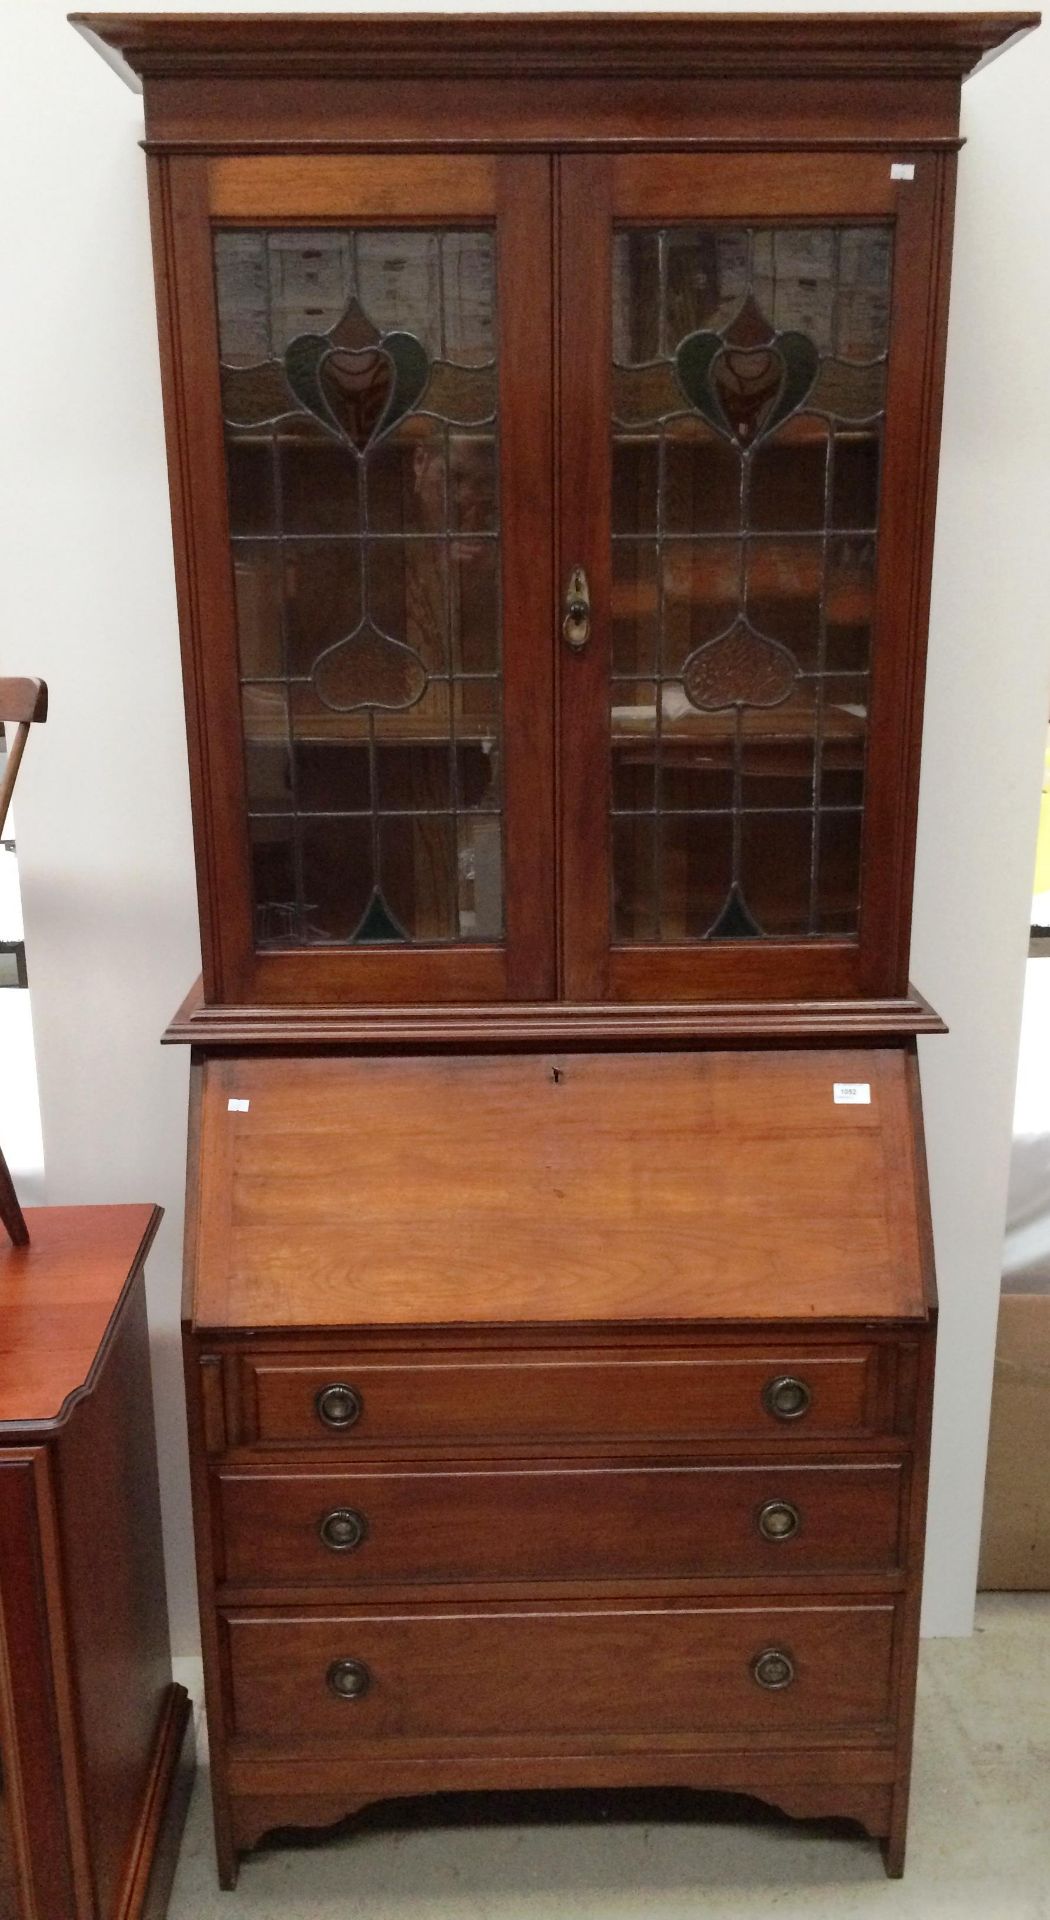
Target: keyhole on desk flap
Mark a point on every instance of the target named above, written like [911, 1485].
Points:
[557, 1076]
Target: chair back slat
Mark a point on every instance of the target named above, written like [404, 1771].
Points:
[23, 701]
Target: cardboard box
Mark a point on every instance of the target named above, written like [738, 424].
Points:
[1015, 1542]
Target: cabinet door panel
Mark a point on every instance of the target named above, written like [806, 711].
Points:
[8, 1890]
[36, 1859]
[743, 361]
[366, 345]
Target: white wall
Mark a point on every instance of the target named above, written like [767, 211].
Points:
[987, 698]
[88, 602]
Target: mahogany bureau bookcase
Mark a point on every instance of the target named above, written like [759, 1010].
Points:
[552, 409]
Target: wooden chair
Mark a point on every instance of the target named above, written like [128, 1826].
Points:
[21, 702]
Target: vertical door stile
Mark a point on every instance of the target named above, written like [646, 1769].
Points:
[525, 326]
[584, 526]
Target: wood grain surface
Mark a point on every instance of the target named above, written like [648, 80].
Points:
[583, 1188]
[676, 1670]
[555, 1523]
[57, 1297]
[493, 1400]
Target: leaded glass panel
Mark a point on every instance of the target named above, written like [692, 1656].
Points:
[361, 423]
[748, 397]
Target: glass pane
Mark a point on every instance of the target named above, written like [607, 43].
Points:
[696, 872]
[252, 481]
[749, 383]
[849, 604]
[257, 591]
[316, 481]
[635, 596]
[775, 855]
[838, 854]
[274, 881]
[473, 612]
[360, 396]
[338, 875]
[635, 483]
[702, 480]
[785, 584]
[267, 748]
[788, 479]
[420, 873]
[479, 867]
[634, 878]
[701, 587]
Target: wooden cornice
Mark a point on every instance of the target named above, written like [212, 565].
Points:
[594, 46]
[552, 1025]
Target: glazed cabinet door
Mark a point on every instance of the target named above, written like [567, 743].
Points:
[749, 396]
[358, 392]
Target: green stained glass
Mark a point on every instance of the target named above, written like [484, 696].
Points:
[735, 922]
[746, 391]
[378, 924]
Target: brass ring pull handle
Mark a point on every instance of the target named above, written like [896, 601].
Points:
[773, 1669]
[338, 1405]
[576, 625]
[778, 1520]
[786, 1398]
[349, 1679]
[342, 1530]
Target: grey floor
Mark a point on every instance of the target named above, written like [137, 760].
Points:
[979, 1840]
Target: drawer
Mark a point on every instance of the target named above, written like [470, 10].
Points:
[700, 1676]
[360, 1529]
[347, 1401]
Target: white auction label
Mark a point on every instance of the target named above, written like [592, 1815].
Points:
[902, 170]
[239, 1106]
[852, 1093]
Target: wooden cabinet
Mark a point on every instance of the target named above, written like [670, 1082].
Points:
[96, 1743]
[553, 411]
[470, 326]
[604, 1379]
[386, 699]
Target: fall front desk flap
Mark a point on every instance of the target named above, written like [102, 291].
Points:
[557, 1188]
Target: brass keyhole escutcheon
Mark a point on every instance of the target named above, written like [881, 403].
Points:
[576, 626]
